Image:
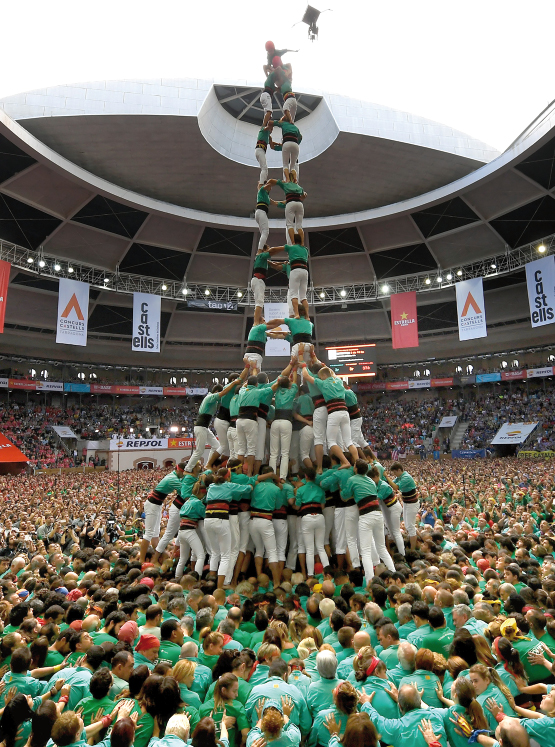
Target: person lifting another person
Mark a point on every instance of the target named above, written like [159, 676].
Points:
[298, 273]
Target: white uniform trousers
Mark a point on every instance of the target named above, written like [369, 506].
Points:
[294, 214]
[219, 538]
[221, 427]
[190, 541]
[244, 534]
[232, 442]
[392, 519]
[258, 287]
[264, 538]
[290, 156]
[329, 516]
[280, 443]
[338, 423]
[356, 434]
[203, 436]
[319, 425]
[410, 510]
[280, 531]
[298, 283]
[260, 453]
[247, 434]
[260, 155]
[235, 537]
[290, 105]
[313, 528]
[172, 528]
[294, 530]
[351, 530]
[153, 519]
[371, 532]
[340, 531]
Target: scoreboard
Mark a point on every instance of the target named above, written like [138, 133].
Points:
[352, 360]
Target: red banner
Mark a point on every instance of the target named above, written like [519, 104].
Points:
[5, 268]
[22, 384]
[392, 385]
[9, 452]
[404, 323]
[118, 389]
[512, 375]
[176, 391]
[181, 443]
[442, 382]
[372, 386]
[102, 389]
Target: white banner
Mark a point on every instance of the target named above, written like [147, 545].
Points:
[513, 433]
[534, 373]
[540, 279]
[471, 311]
[50, 386]
[420, 383]
[4, 383]
[93, 445]
[146, 323]
[277, 347]
[151, 390]
[73, 312]
[63, 431]
[143, 443]
[448, 421]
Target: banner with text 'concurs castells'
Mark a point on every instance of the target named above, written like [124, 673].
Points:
[73, 312]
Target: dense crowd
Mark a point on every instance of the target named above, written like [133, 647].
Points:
[454, 644]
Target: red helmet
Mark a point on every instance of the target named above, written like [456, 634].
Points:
[276, 61]
[269, 46]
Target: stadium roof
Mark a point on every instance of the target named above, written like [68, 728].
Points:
[157, 179]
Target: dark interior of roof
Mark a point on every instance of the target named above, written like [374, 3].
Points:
[403, 261]
[119, 320]
[527, 223]
[24, 225]
[222, 241]
[541, 165]
[12, 160]
[343, 241]
[444, 217]
[155, 262]
[111, 216]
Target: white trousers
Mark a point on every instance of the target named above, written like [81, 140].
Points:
[351, 530]
[410, 511]
[340, 531]
[219, 539]
[221, 427]
[189, 540]
[319, 425]
[203, 436]
[260, 155]
[280, 443]
[261, 440]
[306, 442]
[290, 309]
[371, 531]
[294, 214]
[392, 519]
[308, 348]
[153, 519]
[258, 287]
[356, 434]
[255, 360]
[244, 534]
[261, 217]
[266, 101]
[329, 515]
[290, 156]
[290, 105]
[232, 442]
[280, 531]
[247, 434]
[172, 528]
[235, 536]
[313, 528]
[294, 530]
[294, 457]
[338, 423]
[264, 538]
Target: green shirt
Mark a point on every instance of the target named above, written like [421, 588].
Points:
[296, 251]
[397, 731]
[331, 388]
[418, 635]
[209, 404]
[264, 135]
[300, 326]
[439, 641]
[320, 695]
[249, 396]
[360, 487]
[285, 397]
[261, 260]
[310, 493]
[289, 129]
[234, 709]
[405, 482]
[304, 405]
[257, 333]
[243, 695]
[169, 651]
[265, 496]
[168, 484]
[91, 705]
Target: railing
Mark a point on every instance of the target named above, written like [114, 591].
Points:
[46, 265]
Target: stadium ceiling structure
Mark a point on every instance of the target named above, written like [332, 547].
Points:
[153, 184]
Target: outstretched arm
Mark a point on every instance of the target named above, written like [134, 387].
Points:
[307, 375]
[233, 384]
[276, 250]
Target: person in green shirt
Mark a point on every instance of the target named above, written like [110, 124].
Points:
[294, 198]
[441, 637]
[262, 142]
[153, 508]
[310, 500]
[320, 693]
[225, 702]
[291, 139]
[298, 273]
[487, 684]
[260, 267]
[264, 501]
[388, 636]
[171, 635]
[285, 391]
[420, 613]
[99, 699]
[411, 503]
[256, 346]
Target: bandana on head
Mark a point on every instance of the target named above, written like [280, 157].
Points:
[372, 666]
[146, 642]
[509, 629]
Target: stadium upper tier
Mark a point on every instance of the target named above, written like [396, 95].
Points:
[158, 179]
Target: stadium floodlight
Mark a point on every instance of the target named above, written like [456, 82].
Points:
[164, 287]
[322, 294]
[42, 263]
[184, 291]
[239, 294]
[493, 266]
[343, 293]
[427, 281]
[70, 270]
[459, 273]
[439, 279]
[207, 292]
[541, 248]
[385, 288]
[30, 260]
[449, 276]
[57, 267]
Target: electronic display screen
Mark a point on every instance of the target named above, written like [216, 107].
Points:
[352, 360]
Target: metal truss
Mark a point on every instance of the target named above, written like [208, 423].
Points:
[46, 265]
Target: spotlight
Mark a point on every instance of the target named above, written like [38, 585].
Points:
[57, 267]
[207, 292]
[459, 273]
[427, 281]
[449, 276]
[385, 288]
[541, 248]
[164, 287]
[70, 270]
[322, 294]
[493, 266]
[30, 260]
[239, 294]
[42, 263]
[184, 291]
[439, 279]
[106, 280]
[343, 292]
[174, 429]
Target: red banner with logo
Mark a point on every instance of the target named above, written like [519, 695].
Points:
[442, 382]
[392, 385]
[5, 268]
[512, 375]
[404, 323]
[9, 452]
[22, 384]
[175, 391]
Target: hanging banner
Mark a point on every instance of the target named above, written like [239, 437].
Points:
[471, 312]
[420, 383]
[540, 279]
[448, 421]
[513, 433]
[404, 323]
[49, 386]
[277, 347]
[5, 268]
[512, 375]
[73, 312]
[146, 323]
[63, 431]
[539, 373]
[487, 378]
[158, 390]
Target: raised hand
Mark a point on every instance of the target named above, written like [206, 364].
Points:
[287, 705]
[427, 731]
[364, 697]
[392, 692]
[331, 724]
[260, 707]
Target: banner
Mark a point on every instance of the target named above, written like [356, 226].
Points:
[468, 453]
[404, 323]
[63, 431]
[277, 347]
[159, 390]
[73, 312]
[4, 383]
[448, 421]
[443, 382]
[9, 452]
[512, 375]
[536, 454]
[485, 378]
[420, 383]
[5, 268]
[146, 323]
[540, 280]
[50, 386]
[513, 433]
[535, 373]
[129, 444]
[471, 311]
[201, 303]
[82, 388]
[468, 380]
